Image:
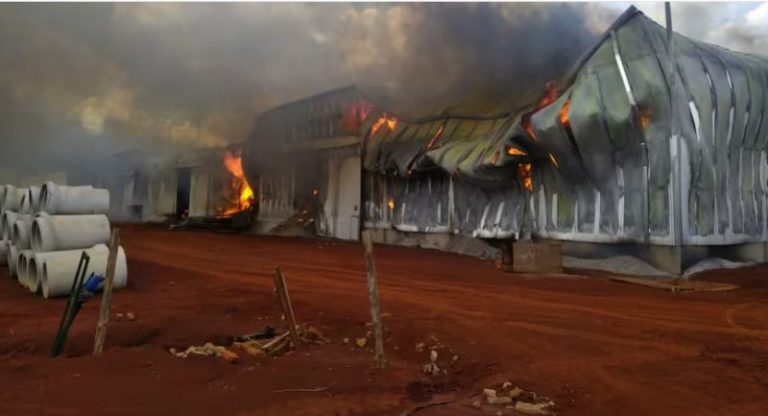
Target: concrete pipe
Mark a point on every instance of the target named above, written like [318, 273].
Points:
[73, 200]
[22, 269]
[56, 270]
[68, 232]
[20, 232]
[3, 252]
[7, 220]
[12, 198]
[24, 207]
[13, 254]
[33, 196]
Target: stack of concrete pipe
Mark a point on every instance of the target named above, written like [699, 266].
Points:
[46, 229]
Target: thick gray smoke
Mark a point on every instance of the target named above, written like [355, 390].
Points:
[82, 81]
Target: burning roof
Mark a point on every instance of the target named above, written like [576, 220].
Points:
[596, 147]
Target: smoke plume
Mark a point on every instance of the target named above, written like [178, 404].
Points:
[82, 81]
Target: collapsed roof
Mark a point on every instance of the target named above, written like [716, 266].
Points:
[600, 153]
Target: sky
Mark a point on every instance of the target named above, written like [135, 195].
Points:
[83, 81]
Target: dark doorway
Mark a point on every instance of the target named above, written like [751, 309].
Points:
[183, 184]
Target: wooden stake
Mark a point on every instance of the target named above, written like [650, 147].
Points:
[106, 296]
[373, 296]
[285, 301]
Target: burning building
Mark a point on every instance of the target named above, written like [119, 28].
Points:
[660, 150]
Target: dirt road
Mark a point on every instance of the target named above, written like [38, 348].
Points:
[595, 347]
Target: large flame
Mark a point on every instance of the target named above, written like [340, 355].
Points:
[239, 185]
[384, 120]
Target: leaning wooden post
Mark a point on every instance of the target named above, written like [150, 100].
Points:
[373, 296]
[285, 301]
[106, 296]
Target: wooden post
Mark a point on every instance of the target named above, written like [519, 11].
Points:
[106, 296]
[373, 296]
[285, 301]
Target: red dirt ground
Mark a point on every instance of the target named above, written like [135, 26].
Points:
[595, 347]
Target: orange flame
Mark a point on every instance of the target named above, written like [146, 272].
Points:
[525, 171]
[564, 112]
[391, 203]
[239, 185]
[384, 120]
[513, 151]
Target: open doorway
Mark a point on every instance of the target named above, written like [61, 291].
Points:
[183, 185]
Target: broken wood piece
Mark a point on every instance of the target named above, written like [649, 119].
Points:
[275, 341]
[106, 296]
[314, 390]
[285, 301]
[379, 361]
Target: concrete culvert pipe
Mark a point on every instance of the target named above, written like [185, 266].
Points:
[33, 276]
[20, 232]
[24, 207]
[13, 253]
[73, 200]
[7, 219]
[22, 269]
[33, 196]
[56, 270]
[12, 198]
[68, 232]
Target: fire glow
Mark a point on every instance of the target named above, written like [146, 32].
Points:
[525, 172]
[239, 186]
[513, 151]
[564, 112]
[550, 95]
[645, 118]
[384, 120]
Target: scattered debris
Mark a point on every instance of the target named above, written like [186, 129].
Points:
[533, 408]
[492, 398]
[208, 350]
[266, 333]
[420, 347]
[251, 347]
[229, 356]
[361, 342]
[431, 369]
[345, 341]
[130, 316]
[515, 398]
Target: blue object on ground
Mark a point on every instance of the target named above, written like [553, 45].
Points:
[93, 284]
